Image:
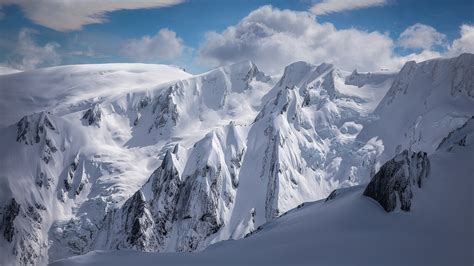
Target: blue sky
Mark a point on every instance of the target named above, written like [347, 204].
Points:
[190, 21]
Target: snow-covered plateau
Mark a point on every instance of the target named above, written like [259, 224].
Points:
[119, 164]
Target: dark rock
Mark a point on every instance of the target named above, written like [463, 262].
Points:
[395, 180]
[93, 116]
[165, 109]
[70, 174]
[138, 218]
[11, 212]
[32, 128]
[459, 137]
[331, 196]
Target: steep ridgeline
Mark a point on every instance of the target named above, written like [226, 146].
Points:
[239, 177]
[187, 109]
[189, 161]
[186, 200]
[426, 101]
[45, 181]
[64, 169]
[299, 138]
[437, 230]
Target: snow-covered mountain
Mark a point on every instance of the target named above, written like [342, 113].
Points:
[151, 158]
[351, 227]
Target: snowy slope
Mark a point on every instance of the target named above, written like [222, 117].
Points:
[228, 183]
[99, 135]
[63, 87]
[55, 161]
[148, 157]
[426, 101]
[351, 229]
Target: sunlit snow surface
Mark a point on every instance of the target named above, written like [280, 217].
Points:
[247, 148]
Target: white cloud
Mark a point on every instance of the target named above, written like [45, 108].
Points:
[420, 36]
[465, 44]
[29, 55]
[69, 15]
[334, 6]
[164, 45]
[274, 38]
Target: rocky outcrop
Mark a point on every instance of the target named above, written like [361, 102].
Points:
[186, 197]
[70, 174]
[165, 109]
[38, 129]
[32, 129]
[331, 196]
[145, 220]
[459, 137]
[10, 212]
[394, 184]
[21, 226]
[198, 206]
[165, 187]
[93, 115]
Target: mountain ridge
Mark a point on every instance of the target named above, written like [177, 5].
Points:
[232, 149]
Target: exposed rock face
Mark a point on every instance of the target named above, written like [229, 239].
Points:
[331, 196]
[461, 136]
[273, 175]
[165, 186]
[32, 128]
[198, 207]
[38, 129]
[70, 174]
[21, 226]
[10, 213]
[165, 109]
[145, 220]
[186, 198]
[93, 116]
[393, 184]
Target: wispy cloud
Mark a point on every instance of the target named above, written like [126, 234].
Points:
[29, 55]
[73, 14]
[163, 45]
[335, 6]
[420, 36]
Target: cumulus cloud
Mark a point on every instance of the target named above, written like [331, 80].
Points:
[69, 15]
[274, 38]
[164, 45]
[465, 44]
[420, 36]
[334, 6]
[293, 36]
[29, 55]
